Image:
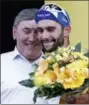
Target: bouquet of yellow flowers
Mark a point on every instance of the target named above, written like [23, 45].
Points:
[62, 72]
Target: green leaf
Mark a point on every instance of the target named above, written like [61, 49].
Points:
[78, 47]
[50, 67]
[35, 97]
[44, 57]
[35, 65]
[32, 74]
[27, 83]
[87, 54]
[50, 91]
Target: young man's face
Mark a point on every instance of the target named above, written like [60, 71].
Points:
[28, 42]
[51, 34]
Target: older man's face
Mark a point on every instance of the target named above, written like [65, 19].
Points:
[51, 34]
[28, 42]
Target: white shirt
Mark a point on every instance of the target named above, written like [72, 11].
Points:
[15, 68]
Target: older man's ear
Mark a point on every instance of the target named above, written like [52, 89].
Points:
[14, 33]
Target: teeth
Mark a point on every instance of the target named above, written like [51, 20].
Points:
[48, 42]
[30, 45]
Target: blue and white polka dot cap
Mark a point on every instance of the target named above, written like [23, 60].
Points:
[53, 12]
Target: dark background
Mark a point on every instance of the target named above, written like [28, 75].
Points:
[9, 9]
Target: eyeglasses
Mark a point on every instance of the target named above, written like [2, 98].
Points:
[51, 6]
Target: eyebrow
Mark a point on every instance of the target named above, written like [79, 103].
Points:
[26, 28]
[47, 27]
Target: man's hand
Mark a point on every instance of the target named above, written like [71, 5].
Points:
[82, 99]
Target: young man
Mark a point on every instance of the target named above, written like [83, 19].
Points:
[17, 64]
[53, 27]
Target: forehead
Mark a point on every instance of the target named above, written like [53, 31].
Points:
[28, 24]
[46, 23]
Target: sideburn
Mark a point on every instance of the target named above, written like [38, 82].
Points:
[61, 39]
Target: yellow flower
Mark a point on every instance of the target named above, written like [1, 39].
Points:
[85, 72]
[49, 77]
[62, 69]
[38, 80]
[69, 72]
[56, 71]
[65, 55]
[78, 64]
[78, 54]
[55, 65]
[68, 80]
[75, 82]
[43, 65]
[58, 57]
[61, 77]
[50, 59]
[71, 75]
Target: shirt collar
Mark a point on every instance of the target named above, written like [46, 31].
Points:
[16, 54]
[37, 61]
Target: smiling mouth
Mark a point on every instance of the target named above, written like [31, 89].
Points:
[48, 43]
[32, 45]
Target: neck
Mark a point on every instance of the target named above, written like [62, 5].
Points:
[34, 59]
[66, 41]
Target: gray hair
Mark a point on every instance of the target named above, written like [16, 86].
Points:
[26, 14]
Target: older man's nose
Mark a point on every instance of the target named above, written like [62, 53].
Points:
[32, 37]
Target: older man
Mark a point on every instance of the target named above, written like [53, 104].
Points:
[17, 64]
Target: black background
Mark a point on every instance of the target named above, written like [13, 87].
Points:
[9, 9]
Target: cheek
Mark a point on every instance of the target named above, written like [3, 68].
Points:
[55, 35]
[58, 34]
[21, 37]
[38, 40]
[39, 36]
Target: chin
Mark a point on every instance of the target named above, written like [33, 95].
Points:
[48, 50]
[32, 58]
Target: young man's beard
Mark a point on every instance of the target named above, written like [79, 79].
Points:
[57, 43]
